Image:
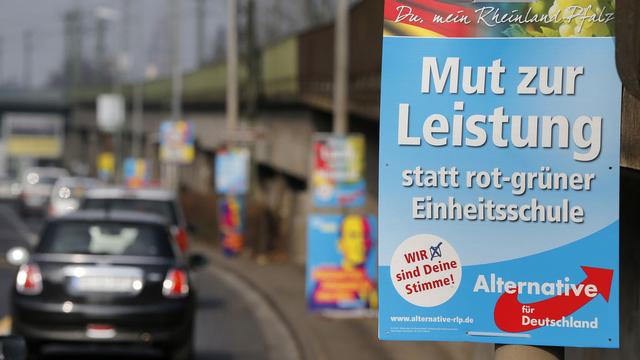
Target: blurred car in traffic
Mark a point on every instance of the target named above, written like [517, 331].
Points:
[37, 184]
[104, 278]
[67, 194]
[10, 189]
[154, 201]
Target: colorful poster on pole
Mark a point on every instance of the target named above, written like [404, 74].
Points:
[232, 171]
[137, 173]
[177, 142]
[231, 224]
[341, 263]
[338, 171]
[106, 166]
[499, 173]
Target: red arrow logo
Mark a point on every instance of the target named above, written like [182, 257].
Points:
[509, 311]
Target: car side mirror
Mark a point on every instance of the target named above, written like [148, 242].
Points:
[628, 44]
[17, 256]
[13, 348]
[197, 261]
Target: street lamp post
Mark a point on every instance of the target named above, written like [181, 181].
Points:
[171, 169]
[107, 14]
[341, 70]
[232, 65]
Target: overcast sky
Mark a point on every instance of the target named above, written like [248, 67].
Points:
[149, 34]
[45, 19]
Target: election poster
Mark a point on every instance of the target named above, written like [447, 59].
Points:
[231, 224]
[338, 171]
[232, 171]
[177, 142]
[341, 263]
[137, 173]
[106, 166]
[499, 173]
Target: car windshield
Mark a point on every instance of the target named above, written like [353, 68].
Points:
[105, 238]
[164, 209]
[45, 180]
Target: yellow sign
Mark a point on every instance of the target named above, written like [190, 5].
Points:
[34, 135]
[34, 146]
[106, 165]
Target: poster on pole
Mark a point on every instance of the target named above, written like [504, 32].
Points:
[231, 213]
[177, 142]
[110, 112]
[137, 173]
[232, 171]
[106, 166]
[499, 173]
[341, 263]
[338, 171]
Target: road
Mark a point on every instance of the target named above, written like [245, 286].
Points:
[227, 326]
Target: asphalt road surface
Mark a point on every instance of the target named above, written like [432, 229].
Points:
[227, 325]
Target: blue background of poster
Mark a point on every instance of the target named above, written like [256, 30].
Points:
[323, 234]
[356, 192]
[136, 172]
[232, 171]
[519, 251]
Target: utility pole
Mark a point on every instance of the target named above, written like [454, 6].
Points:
[123, 58]
[27, 61]
[253, 61]
[1, 60]
[176, 66]
[341, 70]
[100, 63]
[232, 65]
[137, 124]
[122, 66]
[73, 48]
[201, 13]
[171, 170]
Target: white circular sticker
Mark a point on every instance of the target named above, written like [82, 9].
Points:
[426, 270]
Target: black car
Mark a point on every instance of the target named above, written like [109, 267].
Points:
[105, 278]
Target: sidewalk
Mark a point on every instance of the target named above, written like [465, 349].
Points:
[320, 338]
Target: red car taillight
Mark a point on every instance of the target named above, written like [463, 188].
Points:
[176, 284]
[29, 280]
[182, 239]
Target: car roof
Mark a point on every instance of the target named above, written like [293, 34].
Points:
[113, 216]
[124, 193]
[47, 170]
[76, 180]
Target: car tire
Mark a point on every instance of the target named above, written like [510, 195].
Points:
[182, 352]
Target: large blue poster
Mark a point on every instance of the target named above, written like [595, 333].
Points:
[499, 185]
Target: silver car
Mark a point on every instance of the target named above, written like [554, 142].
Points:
[68, 192]
[37, 184]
